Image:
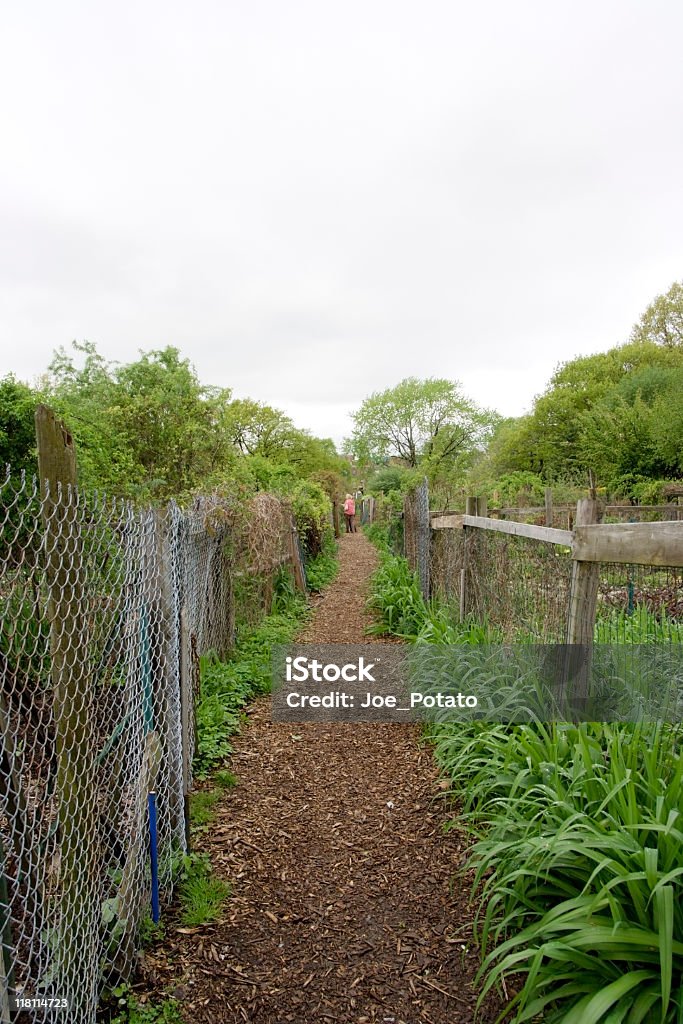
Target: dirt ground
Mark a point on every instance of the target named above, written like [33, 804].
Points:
[349, 902]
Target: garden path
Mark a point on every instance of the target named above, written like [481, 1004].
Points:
[349, 903]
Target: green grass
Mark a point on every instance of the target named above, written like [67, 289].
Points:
[578, 838]
[202, 804]
[202, 895]
[226, 779]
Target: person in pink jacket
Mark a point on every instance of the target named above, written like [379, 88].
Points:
[349, 513]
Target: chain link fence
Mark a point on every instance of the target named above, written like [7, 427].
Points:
[417, 533]
[105, 609]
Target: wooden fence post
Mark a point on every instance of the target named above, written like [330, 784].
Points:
[583, 600]
[548, 506]
[295, 554]
[470, 510]
[73, 708]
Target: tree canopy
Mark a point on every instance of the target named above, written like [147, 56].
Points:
[662, 321]
[420, 422]
[151, 429]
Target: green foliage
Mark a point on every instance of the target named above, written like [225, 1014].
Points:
[150, 933]
[226, 779]
[427, 422]
[640, 626]
[396, 599]
[520, 488]
[389, 478]
[662, 321]
[226, 686]
[123, 1007]
[577, 839]
[322, 570]
[202, 804]
[578, 853]
[202, 896]
[619, 413]
[312, 509]
[378, 534]
[17, 427]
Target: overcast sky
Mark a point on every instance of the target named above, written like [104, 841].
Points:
[315, 200]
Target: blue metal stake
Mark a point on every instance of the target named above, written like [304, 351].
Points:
[154, 855]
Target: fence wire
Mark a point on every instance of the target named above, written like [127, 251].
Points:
[521, 588]
[417, 533]
[104, 611]
[518, 586]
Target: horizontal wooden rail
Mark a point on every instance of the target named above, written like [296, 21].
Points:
[629, 543]
[447, 521]
[637, 543]
[545, 533]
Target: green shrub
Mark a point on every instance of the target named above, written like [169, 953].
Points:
[321, 570]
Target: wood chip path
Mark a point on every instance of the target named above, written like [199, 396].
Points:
[349, 903]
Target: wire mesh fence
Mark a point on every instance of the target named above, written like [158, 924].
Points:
[518, 586]
[521, 587]
[105, 609]
[417, 533]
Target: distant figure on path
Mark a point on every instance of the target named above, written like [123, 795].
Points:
[349, 513]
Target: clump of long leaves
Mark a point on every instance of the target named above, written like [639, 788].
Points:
[397, 599]
[579, 857]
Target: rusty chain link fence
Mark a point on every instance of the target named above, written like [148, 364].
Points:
[105, 609]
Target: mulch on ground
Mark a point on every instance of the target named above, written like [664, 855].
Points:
[349, 902]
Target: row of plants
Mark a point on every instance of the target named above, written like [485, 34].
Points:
[577, 833]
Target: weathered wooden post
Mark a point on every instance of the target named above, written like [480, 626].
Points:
[76, 951]
[471, 504]
[548, 494]
[583, 601]
[295, 554]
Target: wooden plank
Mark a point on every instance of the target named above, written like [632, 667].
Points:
[447, 522]
[632, 543]
[545, 533]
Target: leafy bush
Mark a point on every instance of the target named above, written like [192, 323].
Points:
[321, 570]
[312, 509]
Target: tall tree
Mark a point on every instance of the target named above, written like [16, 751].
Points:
[662, 321]
[419, 421]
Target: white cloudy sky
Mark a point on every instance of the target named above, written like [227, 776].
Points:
[314, 200]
